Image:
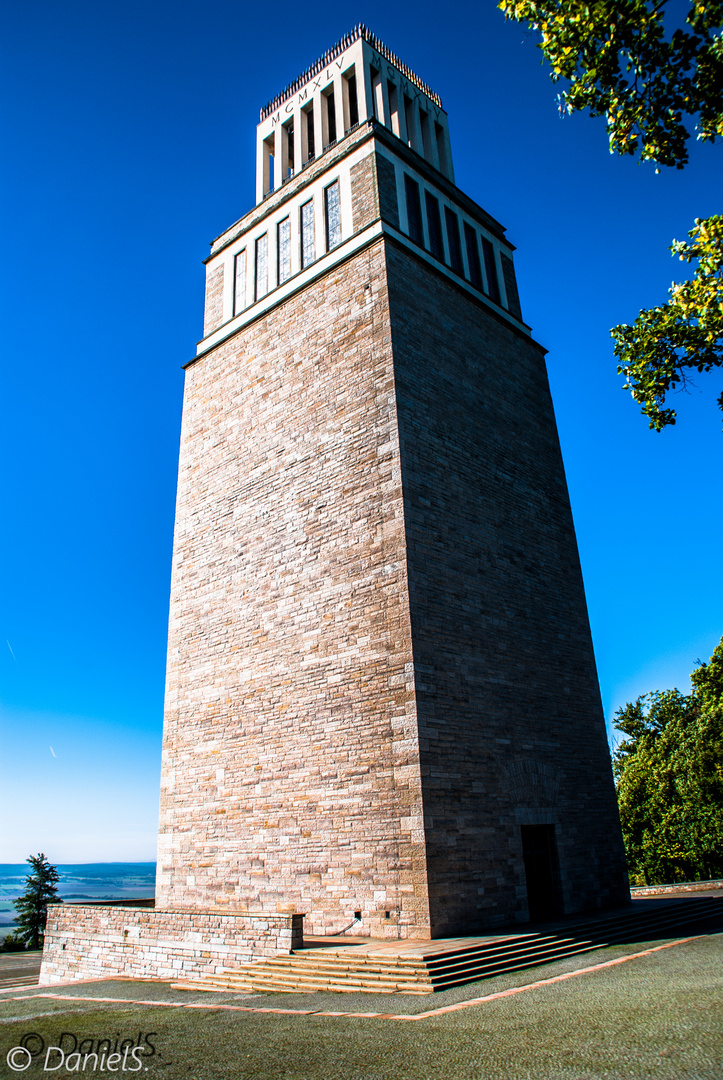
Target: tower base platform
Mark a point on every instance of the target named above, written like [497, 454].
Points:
[423, 967]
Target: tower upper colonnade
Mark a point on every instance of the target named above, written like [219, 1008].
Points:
[357, 80]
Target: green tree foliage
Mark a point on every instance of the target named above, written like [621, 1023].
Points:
[32, 906]
[664, 343]
[654, 84]
[621, 63]
[12, 943]
[669, 775]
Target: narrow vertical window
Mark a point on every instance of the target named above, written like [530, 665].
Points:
[269, 152]
[453, 242]
[414, 210]
[393, 108]
[410, 121]
[307, 234]
[262, 266]
[434, 227]
[333, 215]
[493, 285]
[283, 248]
[352, 99]
[475, 270]
[330, 117]
[377, 93]
[308, 118]
[288, 136]
[239, 282]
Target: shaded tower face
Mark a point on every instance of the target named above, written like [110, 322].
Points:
[381, 692]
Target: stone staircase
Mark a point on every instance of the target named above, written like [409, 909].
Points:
[422, 967]
[21, 982]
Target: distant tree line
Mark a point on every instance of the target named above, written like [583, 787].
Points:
[669, 777]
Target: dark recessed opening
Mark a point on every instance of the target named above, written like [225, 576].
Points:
[357, 914]
[353, 103]
[542, 871]
[330, 117]
[387, 914]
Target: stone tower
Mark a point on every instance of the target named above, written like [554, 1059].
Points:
[382, 705]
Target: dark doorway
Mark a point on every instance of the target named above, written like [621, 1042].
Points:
[542, 872]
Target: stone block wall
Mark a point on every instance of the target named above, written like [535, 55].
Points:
[364, 193]
[290, 777]
[84, 941]
[373, 192]
[510, 721]
[379, 663]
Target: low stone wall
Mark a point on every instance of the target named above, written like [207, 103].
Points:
[85, 941]
[681, 886]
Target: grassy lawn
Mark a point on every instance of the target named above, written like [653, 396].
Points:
[656, 1016]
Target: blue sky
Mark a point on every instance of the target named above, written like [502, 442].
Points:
[129, 145]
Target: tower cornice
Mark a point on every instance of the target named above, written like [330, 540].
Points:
[362, 32]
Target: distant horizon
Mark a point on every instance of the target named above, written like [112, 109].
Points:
[79, 883]
[98, 862]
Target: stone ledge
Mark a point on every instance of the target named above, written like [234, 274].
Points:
[681, 886]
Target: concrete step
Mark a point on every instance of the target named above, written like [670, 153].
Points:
[520, 956]
[626, 919]
[21, 981]
[291, 976]
[535, 950]
[594, 930]
[349, 984]
[339, 963]
[454, 974]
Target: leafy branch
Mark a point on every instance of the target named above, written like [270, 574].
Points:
[666, 343]
[653, 87]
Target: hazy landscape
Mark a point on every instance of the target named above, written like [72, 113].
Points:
[80, 881]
